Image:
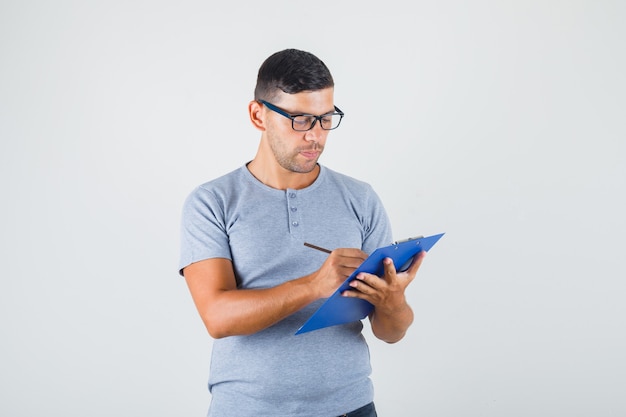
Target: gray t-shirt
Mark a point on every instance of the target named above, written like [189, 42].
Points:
[262, 230]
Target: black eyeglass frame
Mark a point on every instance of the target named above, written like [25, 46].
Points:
[315, 118]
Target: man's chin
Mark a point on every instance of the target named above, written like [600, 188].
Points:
[305, 168]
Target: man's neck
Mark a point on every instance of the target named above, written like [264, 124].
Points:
[277, 177]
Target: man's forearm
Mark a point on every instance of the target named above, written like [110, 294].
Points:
[391, 326]
[247, 311]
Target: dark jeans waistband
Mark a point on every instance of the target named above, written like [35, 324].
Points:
[366, 411]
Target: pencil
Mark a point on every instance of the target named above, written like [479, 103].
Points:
[317, 247]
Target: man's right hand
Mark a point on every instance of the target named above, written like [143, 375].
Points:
[339, 265]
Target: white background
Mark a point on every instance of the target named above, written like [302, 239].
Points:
[500, 123]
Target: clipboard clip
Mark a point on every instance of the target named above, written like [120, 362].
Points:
[397, 242]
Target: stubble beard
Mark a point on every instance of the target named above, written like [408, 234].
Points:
[289, 160]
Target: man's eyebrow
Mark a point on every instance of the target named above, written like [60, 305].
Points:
[311, 114]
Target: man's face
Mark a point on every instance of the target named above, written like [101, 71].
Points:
[298, 151]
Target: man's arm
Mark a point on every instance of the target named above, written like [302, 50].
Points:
[228, 311]
[392, 315]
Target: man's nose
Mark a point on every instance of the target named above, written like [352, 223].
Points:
[315, 133]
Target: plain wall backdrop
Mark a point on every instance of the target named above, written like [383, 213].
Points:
[500, 123]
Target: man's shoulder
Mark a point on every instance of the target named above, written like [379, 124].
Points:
[216, 189]
[223, 180]
[346, 180]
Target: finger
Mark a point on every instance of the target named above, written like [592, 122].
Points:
[347, 258]
[415, 265]
[389, 270]
[351, 253]
[360, 289]
[369, 280]
[355, 293]
[342, 264]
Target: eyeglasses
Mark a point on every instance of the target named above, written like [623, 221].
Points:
[304, 122]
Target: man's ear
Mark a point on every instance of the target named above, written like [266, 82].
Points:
[256, 112]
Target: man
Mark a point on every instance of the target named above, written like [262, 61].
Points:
[253, 280]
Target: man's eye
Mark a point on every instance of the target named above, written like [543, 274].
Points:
[302, 121]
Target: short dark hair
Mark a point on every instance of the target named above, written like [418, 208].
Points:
[291, 71]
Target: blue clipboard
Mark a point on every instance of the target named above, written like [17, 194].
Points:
[340, 310]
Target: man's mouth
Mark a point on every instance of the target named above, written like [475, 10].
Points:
[310, 154]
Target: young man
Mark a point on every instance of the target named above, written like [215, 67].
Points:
[253, 280]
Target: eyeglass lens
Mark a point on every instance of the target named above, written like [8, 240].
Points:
[304, 122]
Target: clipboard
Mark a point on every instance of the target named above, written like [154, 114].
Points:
[340, 310]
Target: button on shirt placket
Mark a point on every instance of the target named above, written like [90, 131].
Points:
[292, 208]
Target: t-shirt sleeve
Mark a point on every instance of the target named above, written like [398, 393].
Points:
[203, 229]
[377, 227]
